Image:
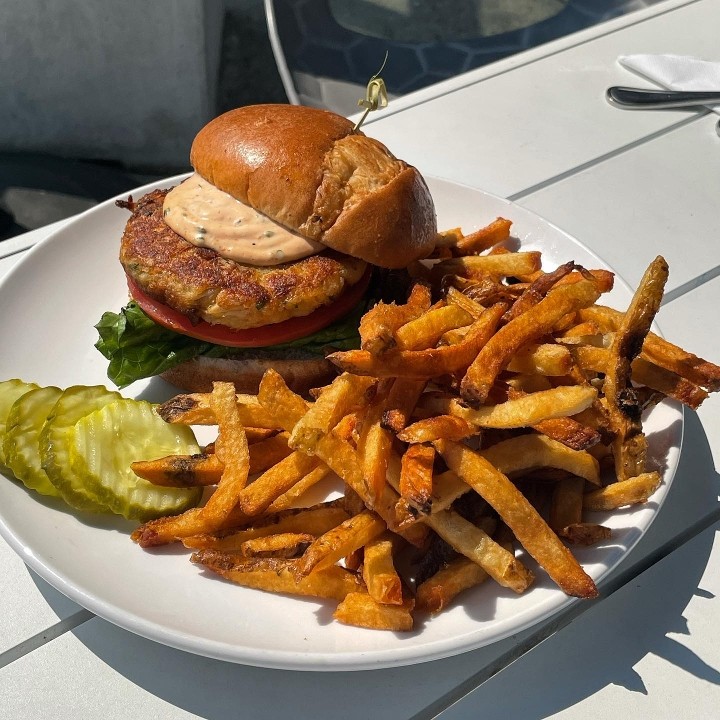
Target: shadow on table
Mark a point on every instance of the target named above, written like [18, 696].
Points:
[598, 650]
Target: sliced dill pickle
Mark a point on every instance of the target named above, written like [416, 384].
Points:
[21, 443]
[10, 391]
[56, 439]
[107, 441]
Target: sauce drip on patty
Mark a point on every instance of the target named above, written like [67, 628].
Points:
[207, 217]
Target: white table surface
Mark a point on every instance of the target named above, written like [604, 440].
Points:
[534, 128]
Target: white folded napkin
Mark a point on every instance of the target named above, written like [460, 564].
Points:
[676, 72]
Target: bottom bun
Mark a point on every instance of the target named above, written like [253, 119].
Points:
[301, 375]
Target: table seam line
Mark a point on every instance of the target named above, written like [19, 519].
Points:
[45, 636]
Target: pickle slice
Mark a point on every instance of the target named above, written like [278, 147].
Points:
[56, 439]
[10, 391]
[107, 441]
[20, 445]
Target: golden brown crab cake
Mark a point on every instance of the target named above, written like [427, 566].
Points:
[201, 284]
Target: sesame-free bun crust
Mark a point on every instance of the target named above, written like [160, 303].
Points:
[306, 169]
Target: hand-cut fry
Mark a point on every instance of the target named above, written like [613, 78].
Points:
[545, 359]
[205, 468]
[194, 409]
[359, 609]
[436, 427]
[624, 492]
[569, 432]
[492, 234]
[531, 325]
[530, 452]
[566, 514]
[416, 476]
[478, 546]
[378, 570]
[314, 520]
[523, 411]
[373, 446]
[420, 364]
[378, 325]
[538, 289]
[424, 332]
[233, 452]
[285, 545]
[333, 545]
[259, 494]
[509, 264]
[520, 516]
[438, 591]
[278, 575]
[470, 306]
[621, 403]
[401, 401]
[336, 401]
[180, 470]
[644, 372]
[661, 352]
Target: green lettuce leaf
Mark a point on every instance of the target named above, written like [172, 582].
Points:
[138, 348]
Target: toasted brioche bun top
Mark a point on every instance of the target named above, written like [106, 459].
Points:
[308, 170]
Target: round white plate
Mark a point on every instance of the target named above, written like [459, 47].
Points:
[50, 303]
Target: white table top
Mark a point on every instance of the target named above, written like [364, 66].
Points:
[534, 128]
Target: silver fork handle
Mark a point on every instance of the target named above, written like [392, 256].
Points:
[637, 98]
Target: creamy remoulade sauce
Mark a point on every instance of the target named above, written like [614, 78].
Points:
[207, 217]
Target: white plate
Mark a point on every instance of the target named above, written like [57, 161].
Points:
[50, 303]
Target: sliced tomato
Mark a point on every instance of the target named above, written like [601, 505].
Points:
[273, 334]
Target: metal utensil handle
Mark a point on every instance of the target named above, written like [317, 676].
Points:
[638, 98]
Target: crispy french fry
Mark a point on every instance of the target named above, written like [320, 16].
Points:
[416, 476]
[314, 520]
[260, 494]
[333, 545]
[545, 359]
[523, 411]
[569, 432]
[520, 516]
[629, 444]
[180, 470]
[492, 234]
[401, 401]
[378, 325]
[344, 394]
[232, 450]
[439, 590]
[378, 571]
[194, 409]
[470, 306]
[509, 264]
[278, 575]
[538, 289]
[283, 545]
[436, 427]
[624, 492]
[424, 332]
[478, 546]
[529, 452]
[531, 325]
[205, 468]
[423, 364]
[361, 610]
[661, 352]
[373, 446]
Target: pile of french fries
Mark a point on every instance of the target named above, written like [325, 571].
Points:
[495, 409]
